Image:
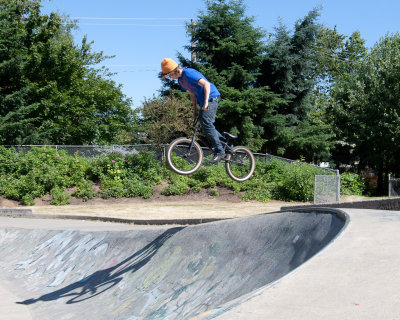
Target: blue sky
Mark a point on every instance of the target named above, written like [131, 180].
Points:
[141, 33]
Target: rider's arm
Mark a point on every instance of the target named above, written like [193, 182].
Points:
[207, 88]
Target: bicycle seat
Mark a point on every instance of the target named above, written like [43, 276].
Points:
[230, 135]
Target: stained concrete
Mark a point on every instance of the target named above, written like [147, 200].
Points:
[57, 269]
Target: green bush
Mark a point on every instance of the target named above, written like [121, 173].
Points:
[291, 181]
[296, 184]
[8, 160]
[28, 200]
[178, 185]
[258, 194]
[38, 172]
[144, 167]
[26, 176]
[213, 192]
[85, 190]
[257, 189]
[59, 197]
[112, 188]
[352, 184]
[137, 188]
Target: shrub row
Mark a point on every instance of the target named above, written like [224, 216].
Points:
[41, 171]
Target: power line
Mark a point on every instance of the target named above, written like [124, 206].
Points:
[130, 65]
[131, 24]
[130, 19]
[140, 70]
[136, 67]
[136, 19]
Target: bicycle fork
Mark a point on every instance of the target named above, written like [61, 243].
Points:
[193, 140]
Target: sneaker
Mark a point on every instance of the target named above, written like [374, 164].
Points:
[217, 158]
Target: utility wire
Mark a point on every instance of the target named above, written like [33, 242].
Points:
[130, 65]
[131, 24]
[136, 67]
[137, 19]
[129, 19]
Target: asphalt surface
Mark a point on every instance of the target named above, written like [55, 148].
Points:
[286, 265]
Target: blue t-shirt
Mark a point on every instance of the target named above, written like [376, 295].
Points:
[188, 81]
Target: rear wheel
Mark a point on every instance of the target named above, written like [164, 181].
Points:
[184, 156]
[240, 164]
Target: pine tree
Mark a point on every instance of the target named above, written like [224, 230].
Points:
[288, 66]
[229, 50]
[289, 69]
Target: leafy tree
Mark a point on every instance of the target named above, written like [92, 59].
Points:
[49, 93]
[338, 55]
[340, 58]
[164, 119]
[367, 108]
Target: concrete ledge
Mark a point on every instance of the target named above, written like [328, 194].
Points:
[320, 209]
[379, 204]
[130, 221]
[12, 212]
[29, 213]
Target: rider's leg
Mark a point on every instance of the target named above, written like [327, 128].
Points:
[207, 119]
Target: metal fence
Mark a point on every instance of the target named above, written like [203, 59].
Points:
[394, 187]
[270, 157]
[92, 151]
[326, 187]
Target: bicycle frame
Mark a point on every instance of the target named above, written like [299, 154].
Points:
[190, 149]
[196, 126]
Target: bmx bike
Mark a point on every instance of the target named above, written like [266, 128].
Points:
[185, 155]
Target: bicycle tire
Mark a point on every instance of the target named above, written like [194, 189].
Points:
[240, 164]
[178, 158]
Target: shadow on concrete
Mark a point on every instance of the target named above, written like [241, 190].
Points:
[306, 247]
[103, 280]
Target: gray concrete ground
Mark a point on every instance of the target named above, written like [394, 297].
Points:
[357, 277]
[222, 269]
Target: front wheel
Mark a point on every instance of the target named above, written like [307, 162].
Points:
[240, 164]
[184, 156]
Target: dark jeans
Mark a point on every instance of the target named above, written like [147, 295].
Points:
[207, 119]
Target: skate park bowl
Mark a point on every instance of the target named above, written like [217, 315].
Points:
[158, 272]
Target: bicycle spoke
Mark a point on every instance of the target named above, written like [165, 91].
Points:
[240, 165]
[183, 153]
[240, 160]
[184, 157]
